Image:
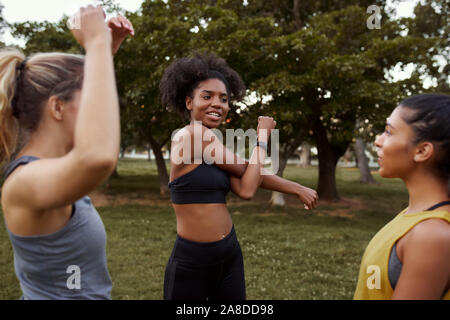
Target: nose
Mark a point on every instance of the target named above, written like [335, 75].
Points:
[378, 140]
[217, 102]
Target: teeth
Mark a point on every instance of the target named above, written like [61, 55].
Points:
[214, 114]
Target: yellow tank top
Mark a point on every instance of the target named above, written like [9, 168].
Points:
[373, 281]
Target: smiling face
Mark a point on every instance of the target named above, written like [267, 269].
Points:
[209, 103]
[395, 148]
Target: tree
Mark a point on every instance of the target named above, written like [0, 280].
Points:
[46, 37]
[305, 155]
[360, 153]
[162, 34]
[3, 23]
[332, 71]
[317, 60]
[433, 20]
[313, 65]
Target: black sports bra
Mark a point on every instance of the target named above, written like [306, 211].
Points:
[205, 184]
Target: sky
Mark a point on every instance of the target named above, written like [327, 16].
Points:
[50, 10]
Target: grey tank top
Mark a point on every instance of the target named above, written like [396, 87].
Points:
[67, 264]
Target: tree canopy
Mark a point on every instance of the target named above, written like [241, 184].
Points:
[313, 65]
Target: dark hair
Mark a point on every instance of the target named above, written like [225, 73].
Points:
[430, 121]
[182, 77]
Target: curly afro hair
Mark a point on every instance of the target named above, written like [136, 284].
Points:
[184, 74]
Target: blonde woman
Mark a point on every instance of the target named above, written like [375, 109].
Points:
[66, 109]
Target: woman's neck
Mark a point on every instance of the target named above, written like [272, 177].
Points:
[425, 190]
[45, 145]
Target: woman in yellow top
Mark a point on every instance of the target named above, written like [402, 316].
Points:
[409, 258]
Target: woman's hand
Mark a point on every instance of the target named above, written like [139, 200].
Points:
[308, 196]
[88, 26]
[120, 27]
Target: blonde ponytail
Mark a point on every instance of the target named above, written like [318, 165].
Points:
[10, 60]
[26, 85]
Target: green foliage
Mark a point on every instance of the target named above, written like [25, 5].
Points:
[318, 64]
[111, 7]
[3, 23]
[46, 37]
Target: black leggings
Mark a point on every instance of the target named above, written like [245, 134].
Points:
[200, 271]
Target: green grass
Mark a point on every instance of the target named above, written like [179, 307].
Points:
[289, 253]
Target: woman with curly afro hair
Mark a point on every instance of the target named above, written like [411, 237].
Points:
[206, 261]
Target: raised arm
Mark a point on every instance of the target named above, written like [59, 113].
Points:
[56, 182]
[244, 182]
[251, 179]
[120, 28]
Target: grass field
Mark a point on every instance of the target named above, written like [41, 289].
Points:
[289, 253]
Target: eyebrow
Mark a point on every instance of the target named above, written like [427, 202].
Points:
[211, 92]
[390, 125]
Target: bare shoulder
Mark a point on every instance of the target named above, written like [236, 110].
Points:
[201, 134]
[431, 233]
[11, 185]
[182, 133]
[16, 210]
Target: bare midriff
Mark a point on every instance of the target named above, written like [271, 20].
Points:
[203, 222]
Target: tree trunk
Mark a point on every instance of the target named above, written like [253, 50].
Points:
[328, 157]
[107, 183]
[327, 175]
[298, 20]
[347, 156]
[149, 149]
[305, 155]
[115, 173]
[161, 165]
[277, 198]
[363, 162]
[122, 152]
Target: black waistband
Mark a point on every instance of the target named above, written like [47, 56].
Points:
[205, 253]
[198, 196]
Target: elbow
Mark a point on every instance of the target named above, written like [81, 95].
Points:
[106, 164]
[247, 190]
[247, 195]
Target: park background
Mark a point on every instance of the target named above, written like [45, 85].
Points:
[326, 70]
